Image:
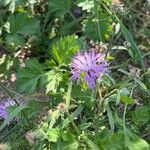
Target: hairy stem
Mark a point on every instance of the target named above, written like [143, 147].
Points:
[99, 110]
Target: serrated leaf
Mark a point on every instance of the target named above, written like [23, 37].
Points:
[20, 27]
[61, 7]
[22, 24]
[52, 80]
[29, 77]
[64, 49]
[85, 4]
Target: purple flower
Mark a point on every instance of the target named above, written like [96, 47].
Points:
[89, 65]
[4, 107]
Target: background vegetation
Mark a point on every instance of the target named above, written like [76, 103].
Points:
[38, 39]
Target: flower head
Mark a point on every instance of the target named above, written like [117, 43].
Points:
[89, 65]
[30, 137]
[117, 6]
[33, 136]
[4, 107]
[61, 106]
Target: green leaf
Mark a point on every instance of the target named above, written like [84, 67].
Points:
[141, 83]
[28, 77]
[64, 49]
[125, 72]
[135, 50]
[67, 142]
[60, 7]
[20, 27]
[73, 116]
[12, 115]
[91, 28]
[85, 125]
[127, 100]
[52, 80]
[16, 39]
[69, 27]
[124, 91]
[71, 145]
[22, 24]
[59, 145]
[53, 134]
[112, 142]
[138, 144]
[85, 4]
[91, 144]
[141, 115]
[110, 117]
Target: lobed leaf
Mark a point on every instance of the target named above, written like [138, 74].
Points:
[64, 49]
[29, 77]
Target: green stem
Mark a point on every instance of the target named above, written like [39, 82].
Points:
[99, 110]
[68, 96]
[124, 123]
[99, 31]
[97, 22]
[70, 13]
[124, 115]
[73, 123]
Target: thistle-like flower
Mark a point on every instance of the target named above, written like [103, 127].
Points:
[33, 136]
[30, 137]
[61, 106]
[4, 107]
[88, 66]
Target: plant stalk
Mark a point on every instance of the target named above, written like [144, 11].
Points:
[73, 123]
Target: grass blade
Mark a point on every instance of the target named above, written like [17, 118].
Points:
[136, 51]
